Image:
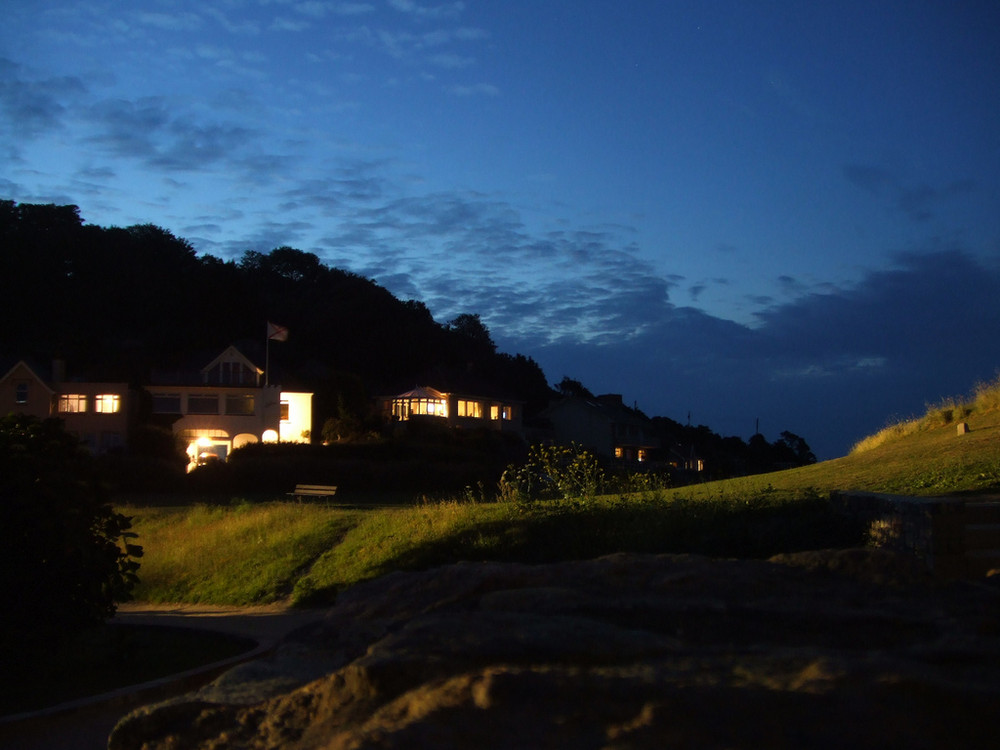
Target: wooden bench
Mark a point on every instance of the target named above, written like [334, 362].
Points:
[314, 490]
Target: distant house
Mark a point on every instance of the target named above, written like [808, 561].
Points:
[603, 425]
[456, 410]
[97, 413]
[224, 406]
[23, 391]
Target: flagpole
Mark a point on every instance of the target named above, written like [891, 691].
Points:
[267, 358]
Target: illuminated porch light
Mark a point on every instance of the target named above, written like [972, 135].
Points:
[269, 436]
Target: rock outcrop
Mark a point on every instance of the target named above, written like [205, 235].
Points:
[819, 650]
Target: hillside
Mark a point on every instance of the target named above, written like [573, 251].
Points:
[925, 456]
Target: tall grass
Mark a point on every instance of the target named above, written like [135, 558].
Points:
[242, 554]
[985, 397]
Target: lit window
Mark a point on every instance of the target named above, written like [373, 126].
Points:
[494, 412]
[642, 454]
[107, 403]
[72, 403]
[429, 406]
[21, 393]
[507, 412]
[618, 452]
[470, 409]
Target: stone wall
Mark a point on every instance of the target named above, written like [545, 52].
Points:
[932, 528]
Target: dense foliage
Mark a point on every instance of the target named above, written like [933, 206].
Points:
[65, 555]
[116, 303]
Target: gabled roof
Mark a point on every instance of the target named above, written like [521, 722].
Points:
[26, 366]
[230, 354]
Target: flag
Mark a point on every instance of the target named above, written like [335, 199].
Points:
[276, 332]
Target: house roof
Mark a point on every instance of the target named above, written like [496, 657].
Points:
[229, 354]
[609, 406]
[422, 392]
[22, 364]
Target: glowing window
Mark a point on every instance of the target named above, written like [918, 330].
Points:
[618, 452]
[642, 454]
[429, 406]
[470, 409]
[21, 393]
[107, 403]
[72, 403]
[507, 412]
[494, 412]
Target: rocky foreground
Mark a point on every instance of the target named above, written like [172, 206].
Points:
[851, 648]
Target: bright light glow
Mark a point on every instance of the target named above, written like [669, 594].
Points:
[244, 438]
[296, 417]
[270, 436]
[107, 403]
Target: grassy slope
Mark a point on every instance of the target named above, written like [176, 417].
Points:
[247, 554]
[927, 458]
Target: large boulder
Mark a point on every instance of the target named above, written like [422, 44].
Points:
[822, 650]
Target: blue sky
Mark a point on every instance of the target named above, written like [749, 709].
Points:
[778, 210]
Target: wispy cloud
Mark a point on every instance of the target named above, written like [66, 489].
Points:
[846, 359]
[477, 89]
[916, 201]
[30, 106]
[183, 21]
[420, 10]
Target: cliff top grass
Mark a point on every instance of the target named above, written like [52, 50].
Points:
[924, 456]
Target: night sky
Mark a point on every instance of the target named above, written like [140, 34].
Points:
[784, 211]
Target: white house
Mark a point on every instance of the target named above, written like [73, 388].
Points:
[229, 408]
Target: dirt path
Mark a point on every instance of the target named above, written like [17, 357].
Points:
[266, 624]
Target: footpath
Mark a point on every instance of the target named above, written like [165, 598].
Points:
[86, 723]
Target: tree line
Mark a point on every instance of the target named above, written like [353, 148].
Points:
[121, 303]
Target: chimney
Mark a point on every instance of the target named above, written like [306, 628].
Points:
[58, 370]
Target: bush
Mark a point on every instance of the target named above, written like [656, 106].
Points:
[65, 556]
[553, 471]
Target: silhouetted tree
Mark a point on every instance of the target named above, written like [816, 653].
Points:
[65, 556]
[570, 387]
[471, 328]
[796, 448]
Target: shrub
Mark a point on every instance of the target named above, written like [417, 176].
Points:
[65, 556]
[551, 472]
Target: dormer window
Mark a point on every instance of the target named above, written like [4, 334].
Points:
[21, 393]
